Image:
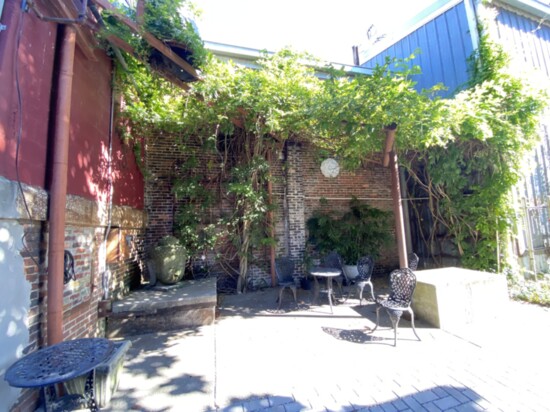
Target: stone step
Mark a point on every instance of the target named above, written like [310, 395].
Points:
[186, 305]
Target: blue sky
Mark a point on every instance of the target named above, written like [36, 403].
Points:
[327, 29]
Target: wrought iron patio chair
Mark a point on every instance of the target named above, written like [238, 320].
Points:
[284, 268]
[402, 285]
[413, 260]
[365, 266]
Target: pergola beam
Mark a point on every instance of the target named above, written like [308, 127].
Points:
[148, 37]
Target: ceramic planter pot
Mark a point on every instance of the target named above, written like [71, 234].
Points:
[169, 258]
[351, 272]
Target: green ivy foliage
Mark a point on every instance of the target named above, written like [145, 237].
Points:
[353, 113]
[167, 20]
[463, 152]
[243, 114]
[489, 128]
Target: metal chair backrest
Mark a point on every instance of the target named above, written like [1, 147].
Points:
[413, 261]
[284, 268]
[365, 266]
[332, 260]
[402, 285]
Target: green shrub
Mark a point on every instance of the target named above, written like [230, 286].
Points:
[530, 290]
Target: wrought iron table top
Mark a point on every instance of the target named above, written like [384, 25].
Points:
[58, 363]
[328, 274]
[325, 272]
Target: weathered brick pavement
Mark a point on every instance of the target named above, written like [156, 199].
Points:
[302, 358]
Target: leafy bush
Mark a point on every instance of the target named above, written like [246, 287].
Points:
[530, 290]
[363, 230]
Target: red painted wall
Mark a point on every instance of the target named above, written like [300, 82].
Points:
[34, 69]
[89, 144]
[90, 113]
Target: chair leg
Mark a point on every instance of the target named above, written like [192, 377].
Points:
[280, 297]
[395, 316]
[339, 282]
[372, 291]
[294, 293]
[360, 287]
[412, 323]
[329, 293]
[378, 307]
[316, 290]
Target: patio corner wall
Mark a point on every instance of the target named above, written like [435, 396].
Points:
[298, 187]
[104, 190]
[370, 184]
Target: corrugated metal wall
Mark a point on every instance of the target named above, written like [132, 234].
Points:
[445, 45]
[446, 42]
[527, 40]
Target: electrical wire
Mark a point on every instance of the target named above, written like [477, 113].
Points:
[20, 131]
[106, 277]
[61, 20]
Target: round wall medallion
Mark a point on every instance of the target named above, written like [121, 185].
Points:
[330, 168]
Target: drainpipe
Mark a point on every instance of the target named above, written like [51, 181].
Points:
[58, 190]
[390, 159]
[406, 211]
[270, 222]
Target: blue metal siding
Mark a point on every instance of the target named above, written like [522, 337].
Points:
[525, 39]
[445, 45]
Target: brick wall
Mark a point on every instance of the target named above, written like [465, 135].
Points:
[298, 186]
[307, 186]
[84, 236]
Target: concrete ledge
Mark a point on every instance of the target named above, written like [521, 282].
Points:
[454, 298]
[188, 304]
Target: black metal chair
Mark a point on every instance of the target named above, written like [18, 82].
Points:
[365, 266]
[413, 260]
[402, 285]
[284, 268]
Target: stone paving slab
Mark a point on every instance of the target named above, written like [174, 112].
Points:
[302, 358]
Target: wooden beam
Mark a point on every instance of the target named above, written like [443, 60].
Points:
[149, 38]
[140, 12]
[121, 44]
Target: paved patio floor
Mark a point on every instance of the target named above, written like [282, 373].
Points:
[303, 358]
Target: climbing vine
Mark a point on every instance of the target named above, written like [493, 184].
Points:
[242, 115]
[468, 177]
[462, 153]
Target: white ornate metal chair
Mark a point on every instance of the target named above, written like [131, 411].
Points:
[365, 266]
[413, 260]
[402, 285]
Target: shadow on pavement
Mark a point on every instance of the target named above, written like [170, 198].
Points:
[441, 398]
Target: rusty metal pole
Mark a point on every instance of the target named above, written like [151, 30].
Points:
[398, 211]
[58, 189]
[271, 223]
[390, 159]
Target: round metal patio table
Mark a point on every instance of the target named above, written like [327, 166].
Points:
[328, 274]
[59, 363]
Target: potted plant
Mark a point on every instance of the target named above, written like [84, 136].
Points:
[169, 258]
[362, 230]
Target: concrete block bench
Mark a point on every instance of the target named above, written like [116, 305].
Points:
[189, 304]
[453, 298]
